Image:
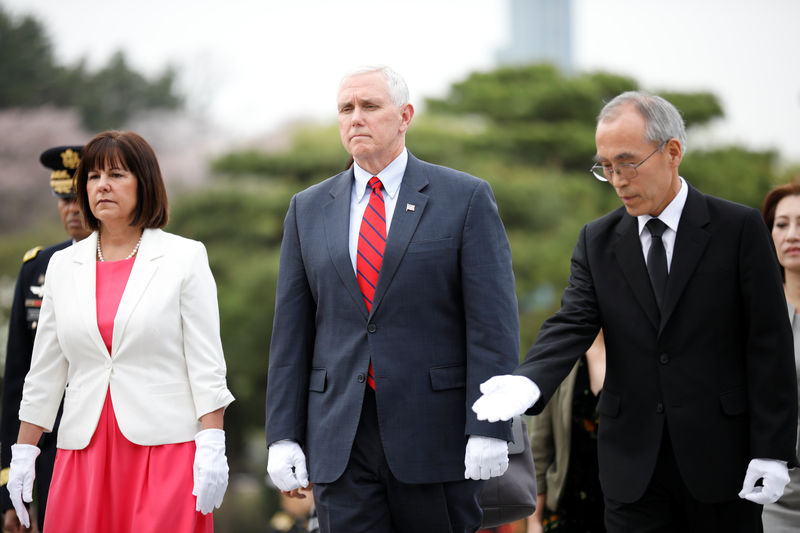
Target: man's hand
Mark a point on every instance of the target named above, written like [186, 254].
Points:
[20, 478]
[775, 475]
[11, 523]
[287, 465]
[505, 397]
[485, 457]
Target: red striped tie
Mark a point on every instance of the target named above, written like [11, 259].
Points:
[371, 243]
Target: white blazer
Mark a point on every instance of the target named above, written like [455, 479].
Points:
[166, 368]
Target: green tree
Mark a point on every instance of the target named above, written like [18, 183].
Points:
[105, 99]
[241, 228]
[26, 62]
[112, 95]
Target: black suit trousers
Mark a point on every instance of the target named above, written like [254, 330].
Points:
[368, 498]
[668, 507]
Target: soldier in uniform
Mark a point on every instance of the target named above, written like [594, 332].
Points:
[63, 161]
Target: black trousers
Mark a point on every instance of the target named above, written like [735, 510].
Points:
[368, 498]
[668, 507]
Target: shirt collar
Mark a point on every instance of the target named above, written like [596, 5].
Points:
[391, 177]
[671, 215]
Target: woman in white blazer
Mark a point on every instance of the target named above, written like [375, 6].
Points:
[129, 335]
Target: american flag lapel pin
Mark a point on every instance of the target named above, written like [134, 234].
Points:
[410, 207]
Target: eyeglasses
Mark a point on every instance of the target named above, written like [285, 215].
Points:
[626, 171]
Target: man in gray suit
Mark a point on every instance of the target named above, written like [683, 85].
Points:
[395, 300]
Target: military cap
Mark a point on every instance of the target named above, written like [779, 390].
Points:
[62, 160]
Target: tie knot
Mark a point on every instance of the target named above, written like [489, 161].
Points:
[656, 227]
[375, 184]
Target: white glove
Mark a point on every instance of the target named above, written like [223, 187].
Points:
[210, 469]
[505, 397]
[20, 478]
[287, 465]
[775, 476]
[485, 457]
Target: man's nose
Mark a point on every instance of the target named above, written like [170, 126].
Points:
[358, 116]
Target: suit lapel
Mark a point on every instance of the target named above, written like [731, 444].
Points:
[84, 276]
[690, 243]
[628, 251]
[337, 232]
[144, 266]
[404, 223]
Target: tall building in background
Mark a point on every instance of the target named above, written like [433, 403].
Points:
[541, 31]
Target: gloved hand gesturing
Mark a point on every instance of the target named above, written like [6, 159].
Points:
[505, 397]
[286, 465]
[775, 476]
[485, 457]
[21, 474]
[210, 469]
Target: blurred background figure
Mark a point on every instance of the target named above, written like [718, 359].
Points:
[62, 161]
[129, 328]
[296, 514]
[781, 211]
[564, 446]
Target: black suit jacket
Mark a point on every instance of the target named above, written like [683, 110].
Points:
[715, 366]
[443, 320]
[21, 332]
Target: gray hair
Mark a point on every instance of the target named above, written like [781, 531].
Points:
[398, 90]
[664, 121]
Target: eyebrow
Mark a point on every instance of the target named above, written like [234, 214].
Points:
[361, 101]
[618, 157]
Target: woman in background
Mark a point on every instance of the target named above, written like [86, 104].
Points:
[564, 447]
[129, 335]
[781, 211]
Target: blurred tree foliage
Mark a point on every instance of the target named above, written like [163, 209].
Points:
[105, 99]
[241, 225]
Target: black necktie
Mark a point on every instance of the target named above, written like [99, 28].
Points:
[657, 259]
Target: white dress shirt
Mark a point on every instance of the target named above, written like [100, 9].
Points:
[671, 216]
[391, 177]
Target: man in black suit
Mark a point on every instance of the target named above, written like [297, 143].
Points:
[62, 161]
[395, 300]
[699, 400]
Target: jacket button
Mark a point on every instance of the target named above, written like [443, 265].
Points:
[361, 378]
[372, 328]
[660, 407]
[664, 358]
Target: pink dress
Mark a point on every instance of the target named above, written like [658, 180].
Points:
[114, 485]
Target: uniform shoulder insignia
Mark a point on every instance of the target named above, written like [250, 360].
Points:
[30, 254]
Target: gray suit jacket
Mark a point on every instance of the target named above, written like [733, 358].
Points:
[444, 318]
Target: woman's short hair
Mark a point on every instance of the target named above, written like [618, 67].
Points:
[129, 151]
[773, 198]
[770, 205]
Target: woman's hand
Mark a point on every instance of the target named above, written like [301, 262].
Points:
[210, 469]
[20, 478]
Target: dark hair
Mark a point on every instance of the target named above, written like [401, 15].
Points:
[773, 198]
[770, 205]
[129, 151]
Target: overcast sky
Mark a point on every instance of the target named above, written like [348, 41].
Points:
[252, 65]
